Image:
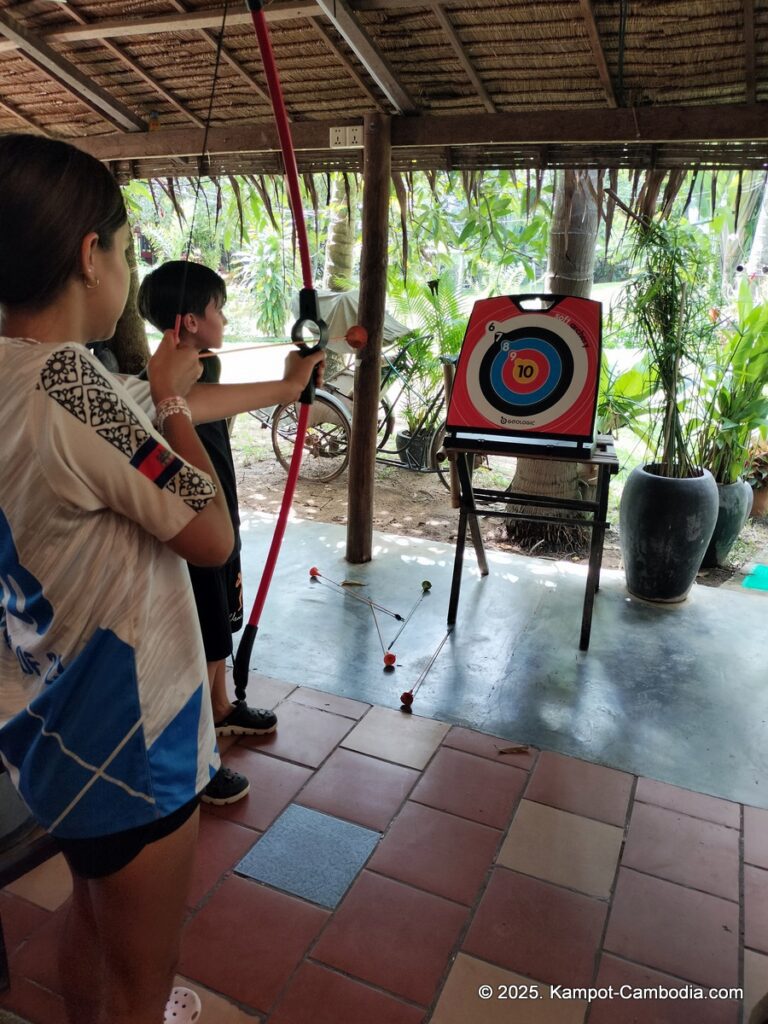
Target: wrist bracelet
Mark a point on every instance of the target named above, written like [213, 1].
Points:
[172, 406]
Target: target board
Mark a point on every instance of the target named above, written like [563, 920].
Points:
[527, 377]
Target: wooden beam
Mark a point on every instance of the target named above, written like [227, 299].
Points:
[373, 293]
[592, 126]
[137, 69]
[346, 24]
[587, 125]
[593, 34]
[120, 28]
[93, 96]
[390, 5]
[330, 42]
[466, 63]
[750, 71]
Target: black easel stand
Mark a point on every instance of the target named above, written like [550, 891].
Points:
[474, 502]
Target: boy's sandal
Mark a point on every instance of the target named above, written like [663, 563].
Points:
[183, 1007]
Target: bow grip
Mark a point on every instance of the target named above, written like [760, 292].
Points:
[309, 313]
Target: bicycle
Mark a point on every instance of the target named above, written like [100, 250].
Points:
[327, 442]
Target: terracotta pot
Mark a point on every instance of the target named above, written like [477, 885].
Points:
[759, 502]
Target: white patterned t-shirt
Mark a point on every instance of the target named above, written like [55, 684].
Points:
[104, 699]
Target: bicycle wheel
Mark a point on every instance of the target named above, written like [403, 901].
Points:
[385, 425]
[438, 459]
[326, 444]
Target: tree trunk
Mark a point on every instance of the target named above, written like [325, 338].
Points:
[757, 264]
[129, 343]
[340, 248]
[572, 240]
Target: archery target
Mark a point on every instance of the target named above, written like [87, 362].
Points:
[527, 374]
[527, 371]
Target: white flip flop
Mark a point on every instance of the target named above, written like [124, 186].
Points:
[183, 1007]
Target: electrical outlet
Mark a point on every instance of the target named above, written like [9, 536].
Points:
[354, 136]
[338, 138]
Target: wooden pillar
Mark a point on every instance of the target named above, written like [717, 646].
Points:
[373, 291]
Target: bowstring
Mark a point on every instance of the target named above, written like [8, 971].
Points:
[201, 163]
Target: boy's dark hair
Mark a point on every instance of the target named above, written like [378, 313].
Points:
[177, 288]
[51, 196]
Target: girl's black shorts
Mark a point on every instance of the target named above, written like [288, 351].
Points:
[104, 855]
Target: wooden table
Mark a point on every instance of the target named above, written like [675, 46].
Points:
[484, 501]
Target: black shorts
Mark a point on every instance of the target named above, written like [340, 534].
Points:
[219, 600]
[104, 855]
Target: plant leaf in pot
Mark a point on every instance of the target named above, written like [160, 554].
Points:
[669, 506]
[734, 407]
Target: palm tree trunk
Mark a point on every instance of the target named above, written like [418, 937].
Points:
[340, 250]
[570, 268]
[340, 247]
[757, 264]
[129, 342]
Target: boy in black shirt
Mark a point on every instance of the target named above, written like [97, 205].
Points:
[218, 591]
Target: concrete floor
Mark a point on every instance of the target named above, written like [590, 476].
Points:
[676, 693]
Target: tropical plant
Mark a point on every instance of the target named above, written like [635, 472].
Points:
[732, 399]
[756, 465]
[668, 302]
[622, 397]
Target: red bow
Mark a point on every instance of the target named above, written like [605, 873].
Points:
[308, 313]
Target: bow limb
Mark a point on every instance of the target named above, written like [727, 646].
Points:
[308, 313]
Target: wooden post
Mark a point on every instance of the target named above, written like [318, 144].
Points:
[373, 291]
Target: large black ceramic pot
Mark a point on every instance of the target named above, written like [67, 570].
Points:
[666, 525]
[734, 506]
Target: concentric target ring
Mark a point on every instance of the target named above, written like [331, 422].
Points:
[526, 372]
[522, 375]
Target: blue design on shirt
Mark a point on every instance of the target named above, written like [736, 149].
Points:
[82, 774]
[22, 593]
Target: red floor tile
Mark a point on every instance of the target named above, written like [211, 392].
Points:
[392, 936]
[756, 837]
[756, 908]
[439, 852]
[472, 787]
[698, 805]
[359, 788]
[304, 735]
[329, 702]
[247, 941]
[33, 1003]
[669, 1010]
[690, 851]
[20, 918]
[537, 929]
[220, 845]
[686, 933]
[479, 743]
[581, 788]
[38, 958]
[274, 784]
[319, 996]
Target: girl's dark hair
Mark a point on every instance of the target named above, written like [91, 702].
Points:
[176, 288]
[51, 196]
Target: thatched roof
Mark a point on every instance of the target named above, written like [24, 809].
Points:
[481, 83]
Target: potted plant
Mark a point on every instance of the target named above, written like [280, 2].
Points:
[669, 505]
[733, 407]
[437, 308]
[756, 475]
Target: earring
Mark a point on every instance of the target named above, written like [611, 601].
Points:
[90, 285]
